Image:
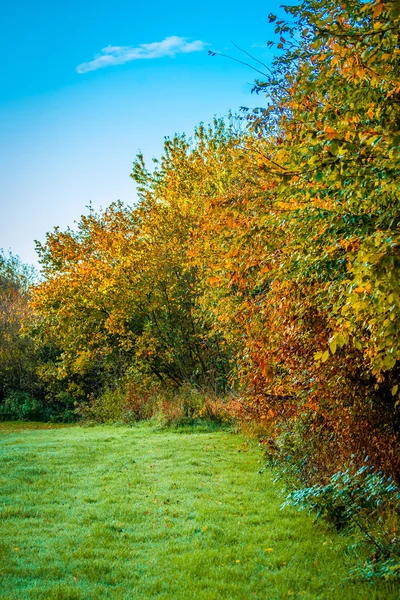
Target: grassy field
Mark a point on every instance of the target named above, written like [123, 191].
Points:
[118, 512]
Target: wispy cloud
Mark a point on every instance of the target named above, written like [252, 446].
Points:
[119, 55]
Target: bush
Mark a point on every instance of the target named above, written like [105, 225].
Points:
[191, 406]
[107, 408]
[61, 409]
[361, 501]
[20, 406]
[138, 401]
[142, 401]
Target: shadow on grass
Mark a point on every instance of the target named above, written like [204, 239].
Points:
[12, 426]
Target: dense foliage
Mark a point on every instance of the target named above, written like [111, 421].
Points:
[262, 259]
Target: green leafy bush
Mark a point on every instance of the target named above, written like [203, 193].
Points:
[365, 502]
[107, 408]
[20, 406]
[348, 496]
[61, 409]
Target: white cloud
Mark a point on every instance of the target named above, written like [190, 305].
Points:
[119, 55]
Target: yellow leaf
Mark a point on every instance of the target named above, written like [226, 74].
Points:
[332, 345]
[325, 356]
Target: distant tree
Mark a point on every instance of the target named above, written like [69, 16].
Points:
[17, 362]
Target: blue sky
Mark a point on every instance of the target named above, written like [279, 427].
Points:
[85, 86]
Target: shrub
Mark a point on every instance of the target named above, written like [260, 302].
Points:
[107, 408]
[20, 406]
[190, 406]
[360, 498]
[61, 409]
[361, 501]
[141, 401]
[129, 403]
[138, 400]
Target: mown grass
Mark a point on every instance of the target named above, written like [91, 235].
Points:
[118, 512]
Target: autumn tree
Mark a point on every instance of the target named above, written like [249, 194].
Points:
[16, 352]
[118, 291]
[319, 292]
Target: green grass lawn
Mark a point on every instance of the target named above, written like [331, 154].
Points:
[118, 512]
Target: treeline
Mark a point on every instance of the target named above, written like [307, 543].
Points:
[262, 257]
